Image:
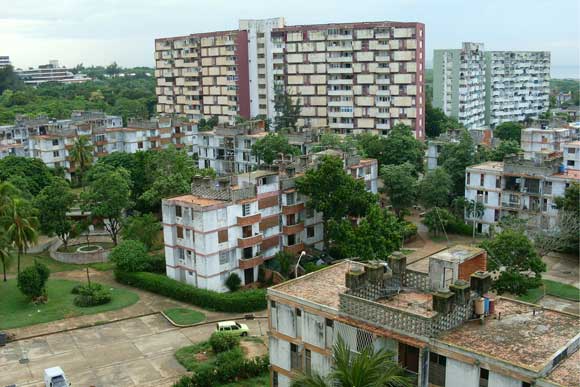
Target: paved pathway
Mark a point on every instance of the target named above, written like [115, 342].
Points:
[134, 352]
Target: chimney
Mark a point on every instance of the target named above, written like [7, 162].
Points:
[462, 292]
[481, 282]
[398, 263]
[374, 272]
[443, 301]
[355, 278]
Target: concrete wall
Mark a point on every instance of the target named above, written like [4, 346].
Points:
[497, 380]
[81, 258]
[458, 374]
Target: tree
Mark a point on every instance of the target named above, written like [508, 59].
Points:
[53, 203]
[5, 253]
[508, 131]
[130, 256]
[233, 282]
[21, 230]
[367, 368]
[437, 219]
[36, 174]
[107, 197]
[287, 110]
[400, 185]
[333, 192]
[436, 122]
[454, 158]
[513, 255]
[7, 193]
[505, 148]
[32, 281]
[570, 202]
[9, 80]
[435, 188]
[81, 155]
[376, 236]
[206, 125]
[143, 228]
[269, 147]
[474, 210]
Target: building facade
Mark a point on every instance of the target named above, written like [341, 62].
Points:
[490, 87]
[351, 77]
[431, 315]
[51, 72]
[4, 61]
[518, 187]
[549, 140]
[459, 83]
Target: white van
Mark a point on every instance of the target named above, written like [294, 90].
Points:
[55, 377]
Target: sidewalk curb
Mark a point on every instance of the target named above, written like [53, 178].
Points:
[205, 322]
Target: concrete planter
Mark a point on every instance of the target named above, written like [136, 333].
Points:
[81, 257]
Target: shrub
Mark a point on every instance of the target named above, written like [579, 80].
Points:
[221, 342]
[457, 226]
[130, 256]
[92, 295]
[236, 369]
[233, 282]
[409, 230]
[32, 280]
[237, 302]
[76, 289]
[515, 283]
[309, 267]
[156, 264]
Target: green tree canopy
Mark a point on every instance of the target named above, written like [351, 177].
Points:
[287, 110]
[32, 171]
[436, 122]
[269, 147]
[130, 256]
[143, 228]
[9, 80]
[400, 185]
[505, 148]
[509, 131]
[454, 158]
[53, 203]
[435, 189]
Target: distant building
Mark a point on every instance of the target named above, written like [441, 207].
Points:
[513, 84]
[51, 72]
[534, 140]
[480, 136]
[571, 153]
[4, 61]
[350, 77]
[431, 315]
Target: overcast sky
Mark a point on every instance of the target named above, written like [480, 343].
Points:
[102, 31]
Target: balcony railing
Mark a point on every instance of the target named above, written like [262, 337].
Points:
[293, 228]
[250, 241]
[247, 263]
[292, 209]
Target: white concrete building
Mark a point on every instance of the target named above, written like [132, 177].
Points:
[518, 187]
[51, 72]
[4, 61]
[571, 152]
[432, 334]
[548, 140]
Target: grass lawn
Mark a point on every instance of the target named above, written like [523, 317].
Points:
[186, 355]
[258, 381]
[182, 316]
[551, 288]
[17, 311]
[54, 266]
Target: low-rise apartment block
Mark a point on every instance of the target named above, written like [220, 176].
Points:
[234, 224]
[571, 152]
[51, 72]
[434, 315]
[547, 140]
[513, 84]
[351, 77]
[525, 189]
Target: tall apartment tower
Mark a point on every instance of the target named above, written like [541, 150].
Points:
[487, 88]
[459, 84]
[4, 61]
[351, 77]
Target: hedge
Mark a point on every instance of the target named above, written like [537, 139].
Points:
[242, 301]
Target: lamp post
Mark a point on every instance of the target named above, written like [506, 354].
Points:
[298, 263]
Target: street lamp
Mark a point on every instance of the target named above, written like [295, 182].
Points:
[298, 263]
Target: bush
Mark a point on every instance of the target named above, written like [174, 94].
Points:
[237, 302]
[233, 282]
[92, 295]
[457, 226]
[32, 280]
[515, 283]
[238, 369]
[156, 264]
[76, 289]
[130, 256]
[409, 230]
[221, 342]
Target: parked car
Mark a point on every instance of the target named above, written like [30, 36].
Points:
[233, 328]
[55, 377]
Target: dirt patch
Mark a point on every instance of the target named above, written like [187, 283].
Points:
[200, 357]
[253, 348]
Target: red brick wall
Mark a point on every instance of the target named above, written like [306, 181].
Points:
[467, 268]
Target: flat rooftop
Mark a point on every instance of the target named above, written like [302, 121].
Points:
[569, 174]
[411, 302]
[457, 253]
[567, 373]
[488, 165]
[521, 336]
[256, 174]
[196, 200]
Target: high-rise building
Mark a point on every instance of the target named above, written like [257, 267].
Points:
[4, 61]
[351, 77]
[490, 87]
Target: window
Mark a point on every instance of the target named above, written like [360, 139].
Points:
[307, 361]
[498, 182]
[140, 145]
[54, 142]
[468, 177]
[483, 377]
[246, 209]
[329, 323]
[437, 364]
[310, 232]
[224, 257]
[272, 304]
[309, 212]
[275, 379]
[178, 211]
[55, 154]
[481, 180]
[180, 232]
[222, 236]
[295, 358]
[291, 240]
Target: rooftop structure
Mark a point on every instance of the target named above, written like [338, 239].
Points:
[351, 77]
[446, 337]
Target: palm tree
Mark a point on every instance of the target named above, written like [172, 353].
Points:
[81, 154]
[369, 368]
[21, 230]
[5, 251]
[7, 193]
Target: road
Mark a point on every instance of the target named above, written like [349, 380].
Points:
[134, 352]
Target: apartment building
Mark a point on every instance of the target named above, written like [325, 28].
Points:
[434, 315]
[234, 224]
[459, 83]
[513, 84]
[51, 72]
[480, 136]
[547, 140]
[4, 61]
[519, 187]
[228, 149]
[571, 152]
[351, 77]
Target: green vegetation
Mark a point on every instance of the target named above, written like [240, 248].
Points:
[237, 302]
[567, 85]
[32, 282]
[28, 260]
[258, 381]
[400, 185]
[182, 316]
[551, 288]
[17, 311]
[287, 109]
[143, 228]
[127, 96]
[268, 148]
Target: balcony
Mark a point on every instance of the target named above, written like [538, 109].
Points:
[294, 249]
[248, 263]
[292, 208]
[248, 220]
[514, 205]
[250, 241]
[270, 242]
[293, 229]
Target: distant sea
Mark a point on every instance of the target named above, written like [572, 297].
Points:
[565, 72]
